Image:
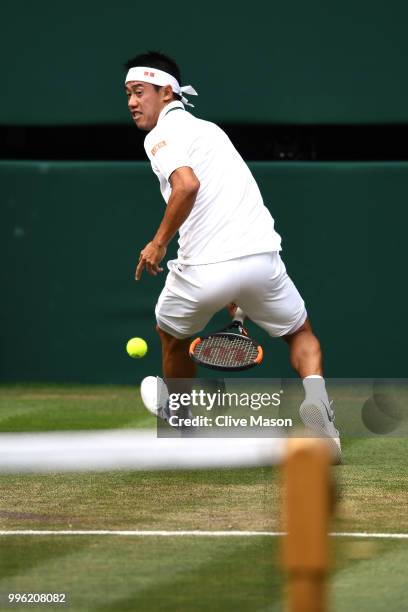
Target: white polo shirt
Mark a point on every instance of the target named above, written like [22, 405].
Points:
[229, 218]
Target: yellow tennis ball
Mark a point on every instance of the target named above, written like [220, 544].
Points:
[136, 347]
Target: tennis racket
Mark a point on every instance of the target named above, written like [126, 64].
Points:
[228, 349]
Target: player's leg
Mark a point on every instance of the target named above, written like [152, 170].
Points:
[277, 307]
[304, 351]
[306, 359]
[175, 357]
[177, 367]
[191, 296]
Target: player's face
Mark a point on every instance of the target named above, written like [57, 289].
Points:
[145, 103]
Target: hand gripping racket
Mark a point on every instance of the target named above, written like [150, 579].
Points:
[228, 349]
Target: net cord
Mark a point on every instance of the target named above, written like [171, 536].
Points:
[131, 450]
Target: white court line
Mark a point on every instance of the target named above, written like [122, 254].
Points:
[193, 533]
[141, 533]
[364, 534]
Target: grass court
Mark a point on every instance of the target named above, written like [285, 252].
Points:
[113, 572]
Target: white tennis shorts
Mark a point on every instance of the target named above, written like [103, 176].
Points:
[259, 284]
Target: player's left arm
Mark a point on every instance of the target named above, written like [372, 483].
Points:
[184, 189]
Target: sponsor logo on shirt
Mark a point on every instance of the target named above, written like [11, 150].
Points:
[158, 146]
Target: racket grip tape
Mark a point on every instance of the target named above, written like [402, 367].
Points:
[239, 315]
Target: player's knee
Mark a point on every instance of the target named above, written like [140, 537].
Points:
[164, 336]
[168, 341]
[305, 328]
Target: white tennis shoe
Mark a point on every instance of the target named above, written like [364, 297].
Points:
[318, 416]
[155, 396]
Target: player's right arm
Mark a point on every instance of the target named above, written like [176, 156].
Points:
[184, 189]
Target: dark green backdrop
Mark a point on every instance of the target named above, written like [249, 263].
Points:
[293, 62]
[72, 232]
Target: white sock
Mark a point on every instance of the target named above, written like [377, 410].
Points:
[315, 388]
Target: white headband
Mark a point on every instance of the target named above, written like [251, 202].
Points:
[161, 78]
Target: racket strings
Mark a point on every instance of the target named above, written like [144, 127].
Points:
[226, 351]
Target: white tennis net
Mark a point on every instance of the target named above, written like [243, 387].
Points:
[131, 450]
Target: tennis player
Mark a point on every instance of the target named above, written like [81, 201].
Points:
[229, 250]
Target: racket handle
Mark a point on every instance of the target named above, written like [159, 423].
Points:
[239, 315]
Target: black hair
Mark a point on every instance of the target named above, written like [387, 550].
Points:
[155, 59]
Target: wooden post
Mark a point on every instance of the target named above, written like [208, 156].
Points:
[306, 513]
